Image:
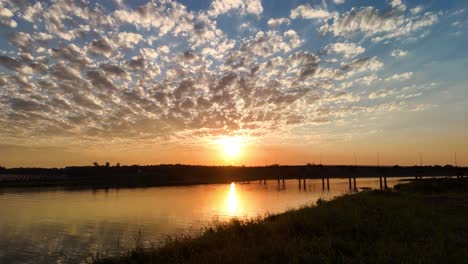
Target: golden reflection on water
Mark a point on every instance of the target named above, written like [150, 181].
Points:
[42, 226]
[233, 205]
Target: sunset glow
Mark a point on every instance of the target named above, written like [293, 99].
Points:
[231, 146]
[151, 82]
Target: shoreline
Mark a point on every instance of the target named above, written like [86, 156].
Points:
[73, 187]
[102, 177]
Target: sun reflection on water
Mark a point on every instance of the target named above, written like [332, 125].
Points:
[232, 201]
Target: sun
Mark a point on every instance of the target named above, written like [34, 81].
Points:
[231, 146]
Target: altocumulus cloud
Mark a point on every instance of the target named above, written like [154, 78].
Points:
[159, 70]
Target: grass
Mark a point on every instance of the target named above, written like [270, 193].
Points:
[417, 223]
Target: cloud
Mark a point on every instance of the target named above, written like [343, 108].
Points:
[367, 20]
[398, 5]
[72, 53]
[275, 22]
[266, 44]
[400, 77]
[23, 105]
[114, 70]
[136, 63]
[399, 53]
[5, 12]
[33, 12]
[100, 47]
[219, 7]
[349, 50]
[416, 10]
[381, 94]
[10, 63]
[149, 53]
[161, 71]
[362, 65]
[308, 12]
[378, 24]
[164, 49]
[86, 101]
[22, 41]
[6, 17]
[63, 72]
[127, 39]
[338, 2]
[410, 25]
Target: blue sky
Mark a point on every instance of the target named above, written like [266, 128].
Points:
[297, 77]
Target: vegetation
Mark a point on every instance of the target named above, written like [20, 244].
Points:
[107, 176]
[418, 223]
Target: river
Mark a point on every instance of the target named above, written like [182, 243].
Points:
[63, 226]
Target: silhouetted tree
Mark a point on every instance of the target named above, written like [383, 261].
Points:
[107, 164]
[118, 164]
[96, 164]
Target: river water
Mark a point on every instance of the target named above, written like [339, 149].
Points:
[63, 226]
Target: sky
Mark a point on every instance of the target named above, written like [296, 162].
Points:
[288, 82]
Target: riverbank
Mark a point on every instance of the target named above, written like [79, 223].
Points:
[419, 222]
[101, 177]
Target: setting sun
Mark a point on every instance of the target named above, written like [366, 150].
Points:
[231, 146]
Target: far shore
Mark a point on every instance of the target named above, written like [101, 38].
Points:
[101, 177]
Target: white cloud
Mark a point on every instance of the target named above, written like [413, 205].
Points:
[293, 38]
[149, 53]
[381, 93]
[266, 44]
[33, 12]
[378, 24]
[275, 22]
[410, 25]
[416, 10]
[361, 65]
[400, 77]
[5, 17]
[399, 53]
[398, 5]
[164, 49]
[349, 50]
[219, 7]
[127, 39]
[5, 12]
[338, 2]
[367, 20]
[308, 12]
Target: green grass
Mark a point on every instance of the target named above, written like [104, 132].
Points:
[404, 226]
